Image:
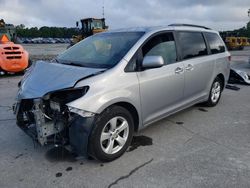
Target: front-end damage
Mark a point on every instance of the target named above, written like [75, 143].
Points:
[47, 117]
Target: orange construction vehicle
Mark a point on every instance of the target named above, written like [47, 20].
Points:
[13, 57]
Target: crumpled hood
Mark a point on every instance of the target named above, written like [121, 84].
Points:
[44, 77]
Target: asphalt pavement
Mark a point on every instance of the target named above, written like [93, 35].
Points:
[197, 147]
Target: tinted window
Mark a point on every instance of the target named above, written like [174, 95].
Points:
[215, 43]
[192, 44]
[161, 45]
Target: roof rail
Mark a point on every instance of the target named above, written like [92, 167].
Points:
[190, 25]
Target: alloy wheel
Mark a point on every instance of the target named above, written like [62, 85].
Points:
[215, 92]
[114, 135]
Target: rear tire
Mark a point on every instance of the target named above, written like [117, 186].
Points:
[215, 93]
[112, 134]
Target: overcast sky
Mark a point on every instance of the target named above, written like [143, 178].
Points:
[217, 14]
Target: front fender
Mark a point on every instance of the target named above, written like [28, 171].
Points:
[97, 103]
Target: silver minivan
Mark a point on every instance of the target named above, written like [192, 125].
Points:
[96, 94]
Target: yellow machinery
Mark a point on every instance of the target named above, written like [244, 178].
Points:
[8, 29]
[89, 26]
[244, 41]
[234, 43]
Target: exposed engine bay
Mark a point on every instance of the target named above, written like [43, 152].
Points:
[47, 119]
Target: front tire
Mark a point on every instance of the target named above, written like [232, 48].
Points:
[112, 134]
[215, 92]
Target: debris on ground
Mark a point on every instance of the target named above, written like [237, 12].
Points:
[232, 87]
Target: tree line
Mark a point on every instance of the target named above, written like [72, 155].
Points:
[242, 32]
[64, 32]
[46, 32]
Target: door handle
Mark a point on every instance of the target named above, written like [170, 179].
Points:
[189, 67]
[179, 70]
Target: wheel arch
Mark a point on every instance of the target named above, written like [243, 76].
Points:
[222, 78]
[132, 110]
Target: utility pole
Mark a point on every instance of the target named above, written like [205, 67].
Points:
[103, 13]
[248, 23]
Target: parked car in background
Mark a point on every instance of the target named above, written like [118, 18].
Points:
[99, 92]
[41, 40]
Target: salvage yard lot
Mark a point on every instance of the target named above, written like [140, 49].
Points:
[197, 147]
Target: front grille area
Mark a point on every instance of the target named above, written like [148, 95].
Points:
[11, 48]
[12, 52]
[13, 57]
[7, 48]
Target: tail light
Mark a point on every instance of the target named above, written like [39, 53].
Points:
[229, 58]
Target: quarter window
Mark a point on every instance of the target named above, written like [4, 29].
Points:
[192, 44]
[215, 43]
[161, 45]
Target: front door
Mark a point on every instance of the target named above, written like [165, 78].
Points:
[161, 89]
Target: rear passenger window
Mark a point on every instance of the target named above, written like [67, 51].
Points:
[192, 44]
[161, 45]
[215, 43]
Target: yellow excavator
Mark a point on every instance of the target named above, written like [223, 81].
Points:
[89, 26]
[244, 41]
[234, 43]
[237, 43]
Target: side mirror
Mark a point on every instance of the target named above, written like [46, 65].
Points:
[77, 24]
[150, 62]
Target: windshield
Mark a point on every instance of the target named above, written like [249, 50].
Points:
[103, 50]
[97, 24]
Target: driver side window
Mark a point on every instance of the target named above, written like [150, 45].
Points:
[161, 45]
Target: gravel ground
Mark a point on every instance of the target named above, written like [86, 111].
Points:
[198, 147]
[44, 51]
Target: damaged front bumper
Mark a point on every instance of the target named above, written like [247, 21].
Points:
[36, 123]
[41, 109]
[49, 122]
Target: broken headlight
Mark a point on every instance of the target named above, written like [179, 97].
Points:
[55, 106]
[80, 112]
[59, 99]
